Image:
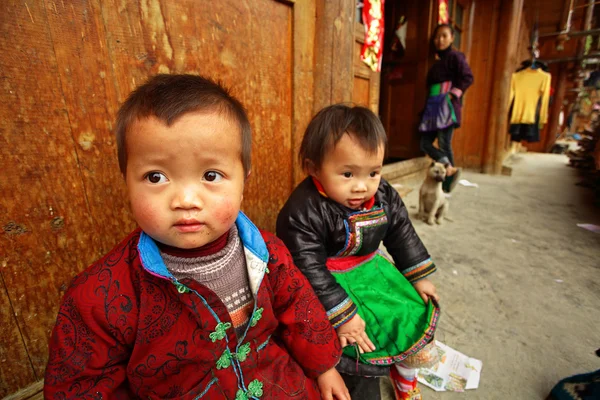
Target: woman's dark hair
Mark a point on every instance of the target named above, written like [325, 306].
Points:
[331, 123]
[440, 26]
[435, 31]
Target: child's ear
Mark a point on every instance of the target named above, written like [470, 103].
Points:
[309, 166]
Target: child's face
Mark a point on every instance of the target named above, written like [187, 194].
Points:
[350, 174]
[443, 38]
[185, 181]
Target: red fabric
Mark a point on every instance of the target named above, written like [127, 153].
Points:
[443, 12]
[346, 263]
[367, 205]
[123, 333]
[372, 50]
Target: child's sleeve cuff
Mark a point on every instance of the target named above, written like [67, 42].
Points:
[419, 271]
[342, 313]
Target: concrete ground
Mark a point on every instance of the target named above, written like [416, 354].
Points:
[519, 280]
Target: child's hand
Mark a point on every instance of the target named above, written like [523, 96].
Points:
[352, 332]
[332, 386]
[426, 289]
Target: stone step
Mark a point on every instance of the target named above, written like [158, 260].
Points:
[406, 176]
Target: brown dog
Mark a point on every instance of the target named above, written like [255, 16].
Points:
[432, 201]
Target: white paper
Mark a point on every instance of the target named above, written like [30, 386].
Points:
[455, 372]
[590, 227]
[466, 183]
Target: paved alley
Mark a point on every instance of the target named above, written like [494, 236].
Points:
[519, 280]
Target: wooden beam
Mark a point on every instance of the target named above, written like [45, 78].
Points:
[511, 12]
[31, 392]
[559, 95]
[564, 19]
[303, 84]
[334, 42]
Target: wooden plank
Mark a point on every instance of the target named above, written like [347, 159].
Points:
[50, 208]
[374, 91]
[343, 44]
[304, 59]
[360, 93]
[90, 96]
[333, 52]
[16, 370]
[469, 140]
[31, 392]
[402, 168]
[325, 13]
[506, 51]
[559, 94]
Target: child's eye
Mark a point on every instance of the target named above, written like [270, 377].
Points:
[374, 174]
[212, 176]
[347, 174]
[155, 177]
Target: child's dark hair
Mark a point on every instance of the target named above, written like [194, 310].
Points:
[331, 123]
[168, 97]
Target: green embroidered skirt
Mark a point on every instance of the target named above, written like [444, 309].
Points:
[397, 321]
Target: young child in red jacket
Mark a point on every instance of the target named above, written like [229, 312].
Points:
[197, 302]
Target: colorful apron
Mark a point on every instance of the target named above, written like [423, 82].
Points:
[439, 111]
[397, 321]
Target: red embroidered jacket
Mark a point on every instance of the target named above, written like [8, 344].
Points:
[128, 329]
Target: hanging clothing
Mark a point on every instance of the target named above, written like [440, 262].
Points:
[527, 132]
[527, 87]
[524, 132]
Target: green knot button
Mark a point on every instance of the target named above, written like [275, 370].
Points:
[255, 389]
[181, 288]
[225, 360]
[256, 316]
[243, 352]
[219, 332]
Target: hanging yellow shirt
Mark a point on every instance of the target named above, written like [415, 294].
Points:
[526, 88]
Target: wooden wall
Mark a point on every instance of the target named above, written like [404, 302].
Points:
[469, 141]
[66, 67]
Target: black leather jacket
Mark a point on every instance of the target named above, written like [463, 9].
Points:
[313, 227]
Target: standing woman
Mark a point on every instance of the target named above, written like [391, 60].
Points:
[447, 81]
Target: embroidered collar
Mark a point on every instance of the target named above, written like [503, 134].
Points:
[366, 205]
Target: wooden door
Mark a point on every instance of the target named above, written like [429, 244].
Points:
[403, 77]
[366, 82]
[66, 67]
[403, 82]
